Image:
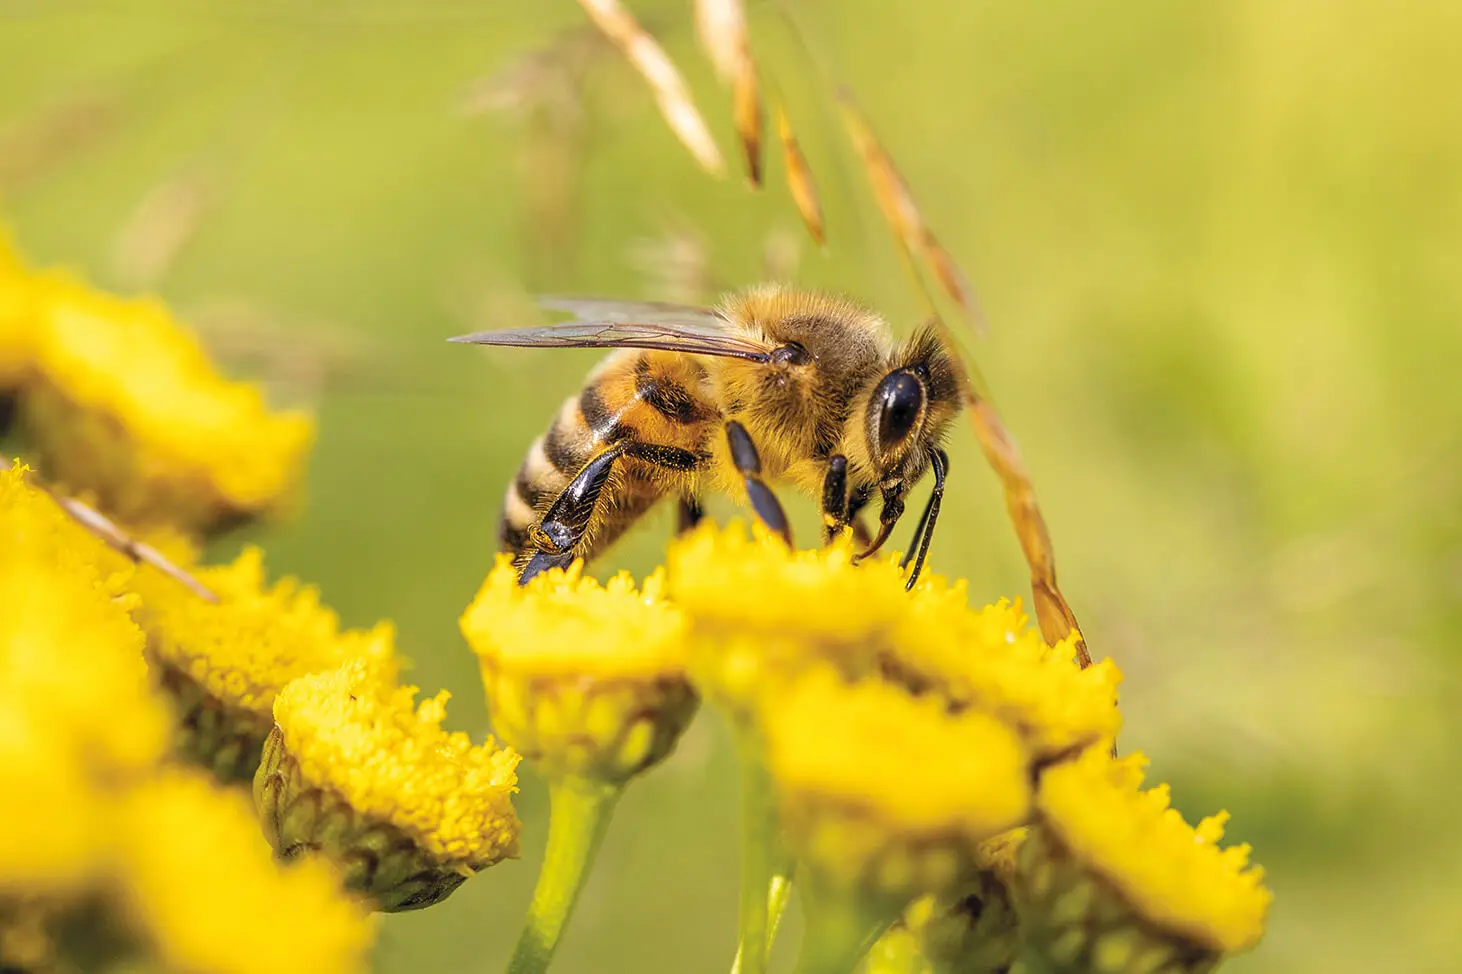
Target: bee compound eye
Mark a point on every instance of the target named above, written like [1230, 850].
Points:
[790, 354]
[900, 400]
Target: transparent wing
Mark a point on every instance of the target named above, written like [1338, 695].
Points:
[644, 312]
[632, 324]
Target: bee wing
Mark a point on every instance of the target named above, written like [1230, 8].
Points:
[629, 324]
[642, 312]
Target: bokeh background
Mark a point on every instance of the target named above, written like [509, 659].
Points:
[1218, 245]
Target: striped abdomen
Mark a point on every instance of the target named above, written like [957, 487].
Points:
[651, 402]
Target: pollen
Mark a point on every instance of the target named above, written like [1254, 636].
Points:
[564, 624]
[1173, 875]
[353, 731]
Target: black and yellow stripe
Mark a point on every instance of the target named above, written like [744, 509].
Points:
[654, 403]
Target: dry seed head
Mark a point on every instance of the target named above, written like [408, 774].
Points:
[655, 66]
[800, 182]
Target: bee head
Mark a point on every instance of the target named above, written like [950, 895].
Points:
[911, 406]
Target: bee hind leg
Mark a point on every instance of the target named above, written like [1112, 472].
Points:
[564, 523]
[748, 464]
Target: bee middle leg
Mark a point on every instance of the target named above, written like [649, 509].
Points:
[834, 498]
[748, 464]
[689, 513]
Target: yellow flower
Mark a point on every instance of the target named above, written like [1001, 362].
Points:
[993, 660]
[1114, 876]
[204, 893]
[886, 792]
[762, 613]
[584, 680]
[723, 578]
[18, 327]
[355, 770]
[222, 664]
[70, 656]
[128, 408]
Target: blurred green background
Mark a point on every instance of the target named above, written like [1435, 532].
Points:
[1219, 246]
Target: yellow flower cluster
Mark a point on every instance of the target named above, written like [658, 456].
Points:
[904, 733]
[768, 614]
[354, 764]
[105, 853]
[910, 707]
[222, 664]
[118, 400]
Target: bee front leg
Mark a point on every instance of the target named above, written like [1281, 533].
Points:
[748, 464]
[924, 533]
[564, 523]
[834, 498]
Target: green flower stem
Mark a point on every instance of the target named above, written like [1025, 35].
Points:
[762, 860]
[778, 894]
[777, 897]
[840, 929]
[578, 816]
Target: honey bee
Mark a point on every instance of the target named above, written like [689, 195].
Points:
[774, 386]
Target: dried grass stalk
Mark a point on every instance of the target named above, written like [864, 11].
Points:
[1053, 614]
[163, 223]
[799, 178]
[902, 213]
[668, 87]
[105, 529]
[720, 25]
[746, 108]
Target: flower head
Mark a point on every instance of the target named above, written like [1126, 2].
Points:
[204, 893]
[354, 766]
[1114, 872]
[127, 406]
[992, 659]
[222, 664]
[885, 791]
[17, 320]
[586, 680]
[74, 692]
